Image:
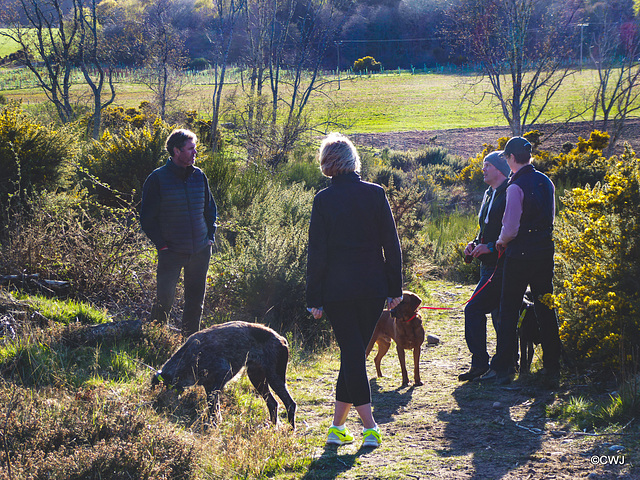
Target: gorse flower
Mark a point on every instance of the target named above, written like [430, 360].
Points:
[598, 261]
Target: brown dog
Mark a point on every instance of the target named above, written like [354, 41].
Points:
[403, 324]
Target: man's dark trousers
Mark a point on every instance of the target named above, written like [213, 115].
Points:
[519, 273]
[195, 266]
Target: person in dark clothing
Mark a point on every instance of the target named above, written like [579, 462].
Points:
[178, 214]
[527, 241]
[486, 298]
[354, 264]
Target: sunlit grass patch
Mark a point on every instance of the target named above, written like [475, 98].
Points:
[7, 45]
[587, 412]
[67, 311]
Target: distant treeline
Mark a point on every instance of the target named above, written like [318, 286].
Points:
[397, 33]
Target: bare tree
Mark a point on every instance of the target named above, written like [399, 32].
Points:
[165, 56]
[55, 40]
[614, 54]
[524, 61]
[225, 16]
[47, 39]
[92, 62]
[288, 40]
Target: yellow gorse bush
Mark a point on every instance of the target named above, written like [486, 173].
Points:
[598, 260]
[33, 157]
[122, 161]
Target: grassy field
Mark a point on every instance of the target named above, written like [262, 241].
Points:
[374, 103]
[392, 102]
[7, 46]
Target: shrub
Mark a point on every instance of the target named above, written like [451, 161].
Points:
[366, 64]
[199, 64]
[582, 165]
[437, 156]
[116, 119]
[598, 257]
[101, 254]
[408, 211]
[221, 170]
[387, 175]
[305, 170]
[33, 157]
[261, 272]
[121, 162]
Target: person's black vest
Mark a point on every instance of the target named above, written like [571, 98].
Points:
[490, 231]
[535, 236]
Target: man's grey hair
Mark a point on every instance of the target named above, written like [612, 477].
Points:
[178, 138]
[338, 155]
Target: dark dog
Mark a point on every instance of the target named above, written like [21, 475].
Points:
[214, 356]
[403, 324]
[528, 332]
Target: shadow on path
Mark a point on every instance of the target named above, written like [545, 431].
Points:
[330, 464]
[501, 436]
[387, 404]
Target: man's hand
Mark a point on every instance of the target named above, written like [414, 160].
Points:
[469, 248]
[316, 312]
[481, 249]
[500, 246]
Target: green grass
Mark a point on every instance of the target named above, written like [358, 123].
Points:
[581, 412]
[68, 311]
[7, 46]
[405, 102]
[376, 103]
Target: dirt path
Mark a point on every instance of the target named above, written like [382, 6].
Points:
[468, 142]
[452, 430]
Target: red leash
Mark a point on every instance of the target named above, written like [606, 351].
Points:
[487, 282]
[472, 296]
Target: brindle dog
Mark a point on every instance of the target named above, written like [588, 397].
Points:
[215, 355]
[404, 325]
[528, 332]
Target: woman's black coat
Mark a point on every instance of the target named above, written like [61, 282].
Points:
[354, 251]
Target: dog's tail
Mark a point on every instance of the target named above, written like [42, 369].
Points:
[372, 342]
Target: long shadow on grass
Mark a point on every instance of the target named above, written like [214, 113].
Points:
[481, 427]
[388, 403]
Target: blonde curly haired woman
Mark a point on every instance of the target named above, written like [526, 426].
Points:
[354, 266]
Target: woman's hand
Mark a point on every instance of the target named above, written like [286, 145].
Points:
[316, 312]
[393, 302]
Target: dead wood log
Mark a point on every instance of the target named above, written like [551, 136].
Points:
[111, 331]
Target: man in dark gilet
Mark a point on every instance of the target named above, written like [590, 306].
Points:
[178, 214]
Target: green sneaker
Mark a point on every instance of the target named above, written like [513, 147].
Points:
[372, 437]
[339, 437]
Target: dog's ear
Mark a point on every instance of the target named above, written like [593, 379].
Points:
[412, 300]
[408, 306]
